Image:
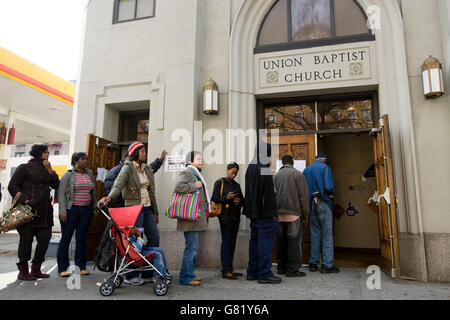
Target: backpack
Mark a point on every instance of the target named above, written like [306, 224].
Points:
[105, 255]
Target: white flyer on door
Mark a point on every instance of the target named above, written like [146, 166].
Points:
[300, 165]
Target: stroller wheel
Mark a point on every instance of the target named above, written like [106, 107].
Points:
[107, 288]
[118, 281]
[160, 287]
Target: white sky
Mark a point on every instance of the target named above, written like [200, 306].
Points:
[45, 32]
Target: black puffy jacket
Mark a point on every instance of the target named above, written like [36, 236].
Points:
[260, 200]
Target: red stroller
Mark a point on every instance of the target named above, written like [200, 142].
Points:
[127, 254]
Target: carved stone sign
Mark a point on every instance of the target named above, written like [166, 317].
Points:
[315, 67]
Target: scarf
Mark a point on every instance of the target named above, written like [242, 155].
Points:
[204, 185]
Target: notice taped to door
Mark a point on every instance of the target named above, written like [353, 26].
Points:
[175, 164]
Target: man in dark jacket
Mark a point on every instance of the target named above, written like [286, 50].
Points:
[114, 172]
[260, 208]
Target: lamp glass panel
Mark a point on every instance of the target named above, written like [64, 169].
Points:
[426, 82]
[215, 101]
[208, 100]
[435, 80]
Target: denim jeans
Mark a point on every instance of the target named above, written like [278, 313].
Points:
[78, 219]
[192, 244]
[289, 246]
[262, 237]
[159, 261]
[147, 221]
[321, 225]
[229, 229]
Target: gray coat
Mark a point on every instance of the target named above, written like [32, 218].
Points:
[66, 190]
[186, 184]
[292, 192]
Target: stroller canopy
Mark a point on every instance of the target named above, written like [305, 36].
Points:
[126, 217]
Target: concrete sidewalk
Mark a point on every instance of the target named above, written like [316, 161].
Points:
[350, 284]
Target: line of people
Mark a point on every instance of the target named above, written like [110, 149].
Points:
[276, 206]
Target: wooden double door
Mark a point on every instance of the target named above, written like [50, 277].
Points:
[303, 147]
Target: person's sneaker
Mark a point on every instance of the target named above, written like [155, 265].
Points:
[270, 280]
[333, 269]
[84, 272]
[295, 274]
[134, 281]
[312, 267]
[65, 274]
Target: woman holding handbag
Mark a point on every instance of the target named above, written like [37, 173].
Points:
[228, 193]
[191, 180]
[34, 180]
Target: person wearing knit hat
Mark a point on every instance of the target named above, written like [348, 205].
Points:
[135, 146]
[136, 183]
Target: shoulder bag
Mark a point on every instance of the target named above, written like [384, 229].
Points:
[16, 216]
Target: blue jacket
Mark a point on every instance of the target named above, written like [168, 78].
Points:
[320, 179]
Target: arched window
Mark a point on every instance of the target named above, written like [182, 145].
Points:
[295, 24]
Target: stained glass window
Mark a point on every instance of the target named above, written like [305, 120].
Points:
[294, 24]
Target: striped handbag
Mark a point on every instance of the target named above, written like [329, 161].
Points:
[184, 206]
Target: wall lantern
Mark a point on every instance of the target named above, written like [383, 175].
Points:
[211, 97]
[433, 83]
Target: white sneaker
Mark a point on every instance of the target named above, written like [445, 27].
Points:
[135, 281]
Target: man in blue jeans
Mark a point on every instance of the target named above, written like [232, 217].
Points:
[321, 188]
[261, 208]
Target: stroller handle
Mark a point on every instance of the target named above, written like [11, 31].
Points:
[104, 210]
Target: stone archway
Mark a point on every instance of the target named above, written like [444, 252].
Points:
[394, 99]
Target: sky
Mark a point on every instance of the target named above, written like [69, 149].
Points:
[45, 32]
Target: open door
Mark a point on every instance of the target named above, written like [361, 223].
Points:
[300, 147]
[386, 200]
[100, 155]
